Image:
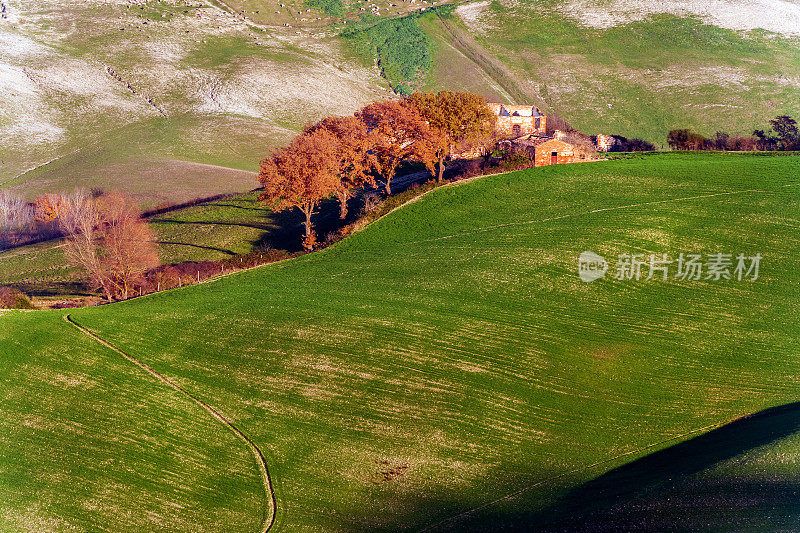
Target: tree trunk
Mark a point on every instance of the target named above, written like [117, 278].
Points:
[307, 211]
[343, 196]
[441, 168]
[389, 175]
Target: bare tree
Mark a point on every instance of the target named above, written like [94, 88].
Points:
[16, 216]
[109, 240]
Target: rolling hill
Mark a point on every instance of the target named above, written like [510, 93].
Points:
[443, 369]
[186, 98]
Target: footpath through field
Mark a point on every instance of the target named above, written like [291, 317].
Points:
[271, 507]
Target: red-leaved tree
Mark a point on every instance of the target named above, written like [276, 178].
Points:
[301, 175]
[455, 118]
[400, 134]
[355, 155]
[108, 238]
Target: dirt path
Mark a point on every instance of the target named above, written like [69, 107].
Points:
[272, 504]
[496, 71]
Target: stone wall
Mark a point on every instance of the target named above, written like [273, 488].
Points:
[517, 120]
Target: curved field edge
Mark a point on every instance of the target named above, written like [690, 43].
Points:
[90, 444]
[448, 354]
[263, 469]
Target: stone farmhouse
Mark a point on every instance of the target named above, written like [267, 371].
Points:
[552, 150]
[527, 128]
[557, 151]
[516, 120]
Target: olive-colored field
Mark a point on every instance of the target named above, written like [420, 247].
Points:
[447, 368]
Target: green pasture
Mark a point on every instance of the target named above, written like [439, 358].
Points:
[447, 368]
[639, 79]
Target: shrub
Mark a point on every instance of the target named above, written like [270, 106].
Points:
[516, 161]
[11, 298]
[402, 49]
[372, 200]
[333, 8]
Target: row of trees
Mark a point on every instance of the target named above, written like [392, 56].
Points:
[23, 222]
[782, 135]
[337, 155]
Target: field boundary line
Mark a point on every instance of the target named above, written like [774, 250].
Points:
[266, 480]
[573, 471]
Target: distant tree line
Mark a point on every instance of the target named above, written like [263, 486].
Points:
[782, 135]
[623, 144]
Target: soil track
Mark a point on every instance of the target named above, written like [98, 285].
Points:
[272, 505]
[467, 45]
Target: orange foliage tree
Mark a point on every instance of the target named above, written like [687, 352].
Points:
[355, 156]
[301, 175]
[50, 207]
[400, 134]
[456, 118]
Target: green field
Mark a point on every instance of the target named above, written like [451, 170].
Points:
[444, 367]
[212, 231]
[638, 78]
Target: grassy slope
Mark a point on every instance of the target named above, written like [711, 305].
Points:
[453, 342]
[231, 92]
[90, 444]
[640, 79]
[211, 231]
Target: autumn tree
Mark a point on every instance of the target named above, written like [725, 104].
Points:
[50, 207]
[400, 134]
[686, 139]
[108, 238]
[456, 118]
[354, 154]
[301, 175]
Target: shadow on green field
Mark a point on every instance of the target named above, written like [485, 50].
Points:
[667, 491]
[200, 246]
[51, 288]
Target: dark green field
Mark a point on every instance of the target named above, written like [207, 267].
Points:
[445, 368]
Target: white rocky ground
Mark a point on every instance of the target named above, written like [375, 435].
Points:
[70, 71]
[777, 16]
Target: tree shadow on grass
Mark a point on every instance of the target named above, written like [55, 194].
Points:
[51, 288]
[664, 491]
[214, 248]
[262, 226]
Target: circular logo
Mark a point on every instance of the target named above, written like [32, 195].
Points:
[591, 266]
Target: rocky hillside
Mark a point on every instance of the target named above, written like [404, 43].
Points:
[187, 96]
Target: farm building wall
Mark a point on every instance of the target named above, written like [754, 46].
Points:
[564, 153]
[518, 120]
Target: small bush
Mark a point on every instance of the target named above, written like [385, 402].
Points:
[11, 298]
[516, 161]
[372, 201]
